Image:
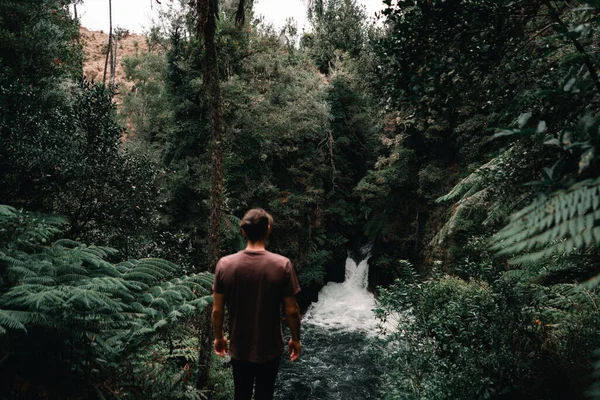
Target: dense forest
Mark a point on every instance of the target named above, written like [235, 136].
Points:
[457, 140]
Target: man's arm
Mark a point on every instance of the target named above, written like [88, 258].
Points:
[292, 316]
[218, 311]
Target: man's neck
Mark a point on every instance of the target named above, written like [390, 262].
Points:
[255, 246]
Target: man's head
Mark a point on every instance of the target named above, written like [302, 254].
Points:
[256, 225]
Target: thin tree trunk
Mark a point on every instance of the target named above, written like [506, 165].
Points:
[109, 47]
[213, 87]
[78, 39]
[113, 62]
[207, 25]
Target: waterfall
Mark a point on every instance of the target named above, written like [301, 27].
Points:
[347, 305]
[337, 361]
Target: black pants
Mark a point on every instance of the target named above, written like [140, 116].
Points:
[247, 375]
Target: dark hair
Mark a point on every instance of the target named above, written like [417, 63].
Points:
[255, 224]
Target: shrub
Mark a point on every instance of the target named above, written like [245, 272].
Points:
[457, 339]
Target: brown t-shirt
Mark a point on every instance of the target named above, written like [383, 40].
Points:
[254, 284]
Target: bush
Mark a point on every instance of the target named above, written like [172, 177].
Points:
[456, 339]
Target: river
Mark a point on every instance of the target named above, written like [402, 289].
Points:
[337, 362]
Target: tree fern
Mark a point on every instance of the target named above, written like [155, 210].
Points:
[67, 289]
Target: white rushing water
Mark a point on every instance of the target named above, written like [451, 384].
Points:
[337, 361]
[347, 305]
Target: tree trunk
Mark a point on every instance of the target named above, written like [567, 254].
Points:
[213, 88]
[113, 62]
[207, 25]
[109, 47]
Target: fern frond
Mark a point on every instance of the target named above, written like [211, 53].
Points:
[141, 309]
[40, 280]
[94, 261]
[35, 298]
[27, 317]
[461, 211]
[187, 309]
[91, 300]
[67, 243]
[567, 219]
[12, 262]
[171, 294]
[7, 211]
[100, 251]
[481, 178]
[485, 196]
[125, 266]
[71, 278]
[141, 277]
[114, 286]
[160, 323]
[23, 272]
[201, 302]
[8, 321]
[500, 209]
[174, 315]
[204, 278]
[161, 303]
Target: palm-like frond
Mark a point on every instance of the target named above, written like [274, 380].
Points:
[9, 322]
[127, 308]
[484, 191]
[563, 222]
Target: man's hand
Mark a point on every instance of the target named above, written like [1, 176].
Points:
[221, 347]
[295, 349]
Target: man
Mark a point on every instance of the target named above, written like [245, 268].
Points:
[253, 284]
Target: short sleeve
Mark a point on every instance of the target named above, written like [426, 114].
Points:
[218, 281]
[292, 287]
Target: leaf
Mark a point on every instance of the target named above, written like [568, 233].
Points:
[523, 119]
[569, 85]
[541, 128]
[7, 320]
[586, 158]
[552, 142]
[160, 323]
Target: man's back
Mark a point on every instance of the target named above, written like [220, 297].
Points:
[254, 284]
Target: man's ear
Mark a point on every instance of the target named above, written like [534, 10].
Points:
[243, 232]
[269, 229]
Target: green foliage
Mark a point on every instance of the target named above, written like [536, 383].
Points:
[221, 379]
[295, 143]
[61, 146]
[467, 39]
[125, 328]
[563, 222]
[145, 108]
[488, 194]
[338, 31]
[36, 42]
[453, 339]
[538, 173]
